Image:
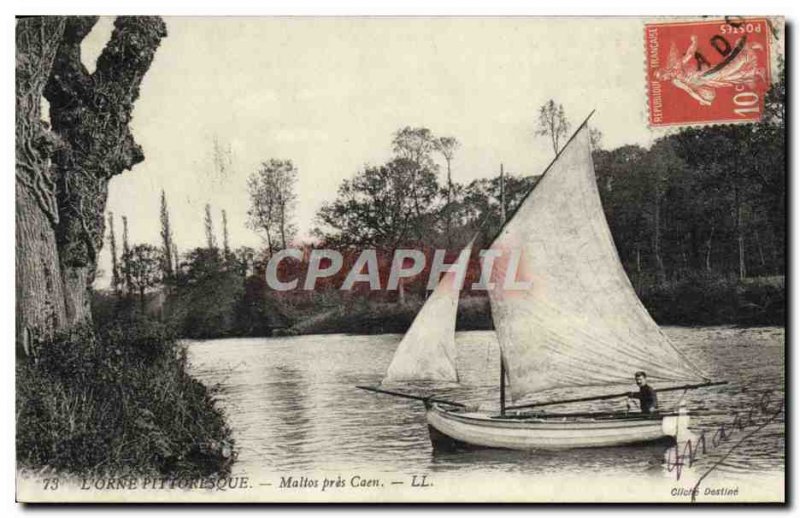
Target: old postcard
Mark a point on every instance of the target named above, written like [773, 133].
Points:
[418, 259]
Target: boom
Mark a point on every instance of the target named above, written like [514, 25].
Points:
[611, 396]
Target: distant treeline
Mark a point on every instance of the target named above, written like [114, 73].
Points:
[707, 202]
[699, 221]
[708, 302]
[710, 200]
[211, 293]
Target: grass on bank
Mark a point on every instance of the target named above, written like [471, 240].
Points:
[117, 401]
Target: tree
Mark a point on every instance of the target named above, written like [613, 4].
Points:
[416, 145]
[700, 202]
[116, 281]
[126, 250]
[225, 248]
[211, 241]
[166, 237]
[376, 208]
[663, 164]
[595, 139]
[413, 146]
[144, 265]
[244, 258]
[624, 186]
[222, 157]
[175, 258]
[91, 114]
[62, 172]
[207, 295]
[447, 147]
[272, 201]
[770, 172]
[39, 286]
[482, 200]
[552, 123]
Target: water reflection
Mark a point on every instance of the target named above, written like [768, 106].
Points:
[293, 405]
[288, 413]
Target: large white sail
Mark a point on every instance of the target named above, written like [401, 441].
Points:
[428, 349]
[579, 323]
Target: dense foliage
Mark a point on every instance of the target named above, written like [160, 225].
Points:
[118, 400]
[698, 220]
[701, 205]
[211, 294]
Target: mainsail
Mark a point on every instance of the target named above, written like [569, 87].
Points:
[579, 323]
[428, 349]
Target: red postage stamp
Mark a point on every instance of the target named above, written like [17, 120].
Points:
[707, 71]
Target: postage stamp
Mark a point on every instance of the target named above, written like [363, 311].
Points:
[707, 71]
[408, 260]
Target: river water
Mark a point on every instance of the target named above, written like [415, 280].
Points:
[292, 405]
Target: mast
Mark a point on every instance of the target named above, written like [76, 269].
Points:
[502, 386]
[502, 222]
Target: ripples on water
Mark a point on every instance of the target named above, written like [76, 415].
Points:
[293, 405]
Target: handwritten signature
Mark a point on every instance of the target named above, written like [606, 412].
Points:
[752, 421]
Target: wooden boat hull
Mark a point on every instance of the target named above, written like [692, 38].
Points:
[457, 429]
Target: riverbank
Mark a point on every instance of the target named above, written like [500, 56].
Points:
[694, 302]
[118, 401]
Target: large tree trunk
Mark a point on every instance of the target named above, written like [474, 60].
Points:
[60, 205]
[39, 295]
[40, 307]
[90, 113]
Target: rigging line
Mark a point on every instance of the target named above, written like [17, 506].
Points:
[691, 364]
[430, 399]
[612, 396]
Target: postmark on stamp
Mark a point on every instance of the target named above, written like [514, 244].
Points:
[707, 71]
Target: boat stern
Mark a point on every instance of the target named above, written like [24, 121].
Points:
[677, 424]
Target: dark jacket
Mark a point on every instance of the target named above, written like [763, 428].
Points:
[648, 401]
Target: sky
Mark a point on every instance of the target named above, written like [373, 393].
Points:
[328, 93]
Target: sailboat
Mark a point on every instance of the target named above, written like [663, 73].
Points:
[577, 324]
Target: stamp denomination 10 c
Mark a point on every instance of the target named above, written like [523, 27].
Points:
[705, 72]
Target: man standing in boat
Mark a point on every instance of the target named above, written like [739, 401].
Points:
[648, 402]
